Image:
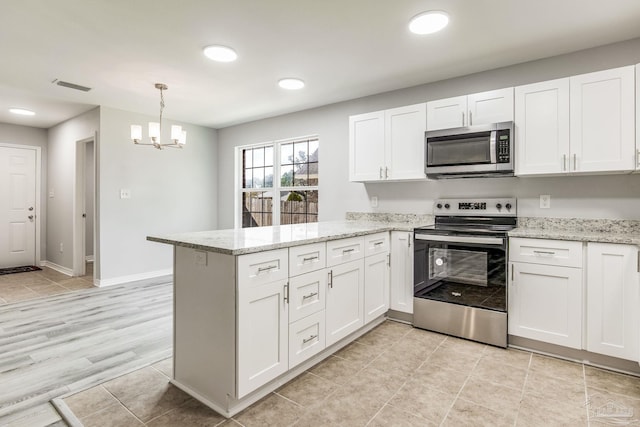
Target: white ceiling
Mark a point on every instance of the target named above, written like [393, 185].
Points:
[343, 49]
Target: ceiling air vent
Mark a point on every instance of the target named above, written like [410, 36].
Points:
[71, 85]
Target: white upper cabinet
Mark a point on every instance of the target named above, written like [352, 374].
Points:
[577, 125]
[602, 117]
[404, 138]
[366, 147]
[479, 108]
[494, 106]
[388, 145]
[447, 113]
[542, 127]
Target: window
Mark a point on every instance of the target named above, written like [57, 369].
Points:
[287, 170]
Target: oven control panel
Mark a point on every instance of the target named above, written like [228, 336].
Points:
[476, 207]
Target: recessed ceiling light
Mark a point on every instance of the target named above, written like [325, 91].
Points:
[429, 22]
[220, 53]
[291, 84]
[21, 111]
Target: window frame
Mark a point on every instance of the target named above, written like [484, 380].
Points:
[276, 188]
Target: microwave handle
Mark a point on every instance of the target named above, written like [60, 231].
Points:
[492, 146]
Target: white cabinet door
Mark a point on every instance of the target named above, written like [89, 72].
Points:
[447, 113]
[613, 299]
[376, 286]
[404, 142]
[494, 106]
[263, 334]
[542, 127]
[545, 303]
[366, 147]
[344, 312]
[401, 298]
[603, 121]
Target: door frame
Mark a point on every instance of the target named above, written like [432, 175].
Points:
[38, 205]
[79, 250]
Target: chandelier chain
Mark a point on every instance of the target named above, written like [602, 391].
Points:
[161, 106]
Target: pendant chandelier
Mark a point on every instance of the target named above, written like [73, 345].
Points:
[178, 136]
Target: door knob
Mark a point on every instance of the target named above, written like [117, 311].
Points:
[31, 208]
[30, 217]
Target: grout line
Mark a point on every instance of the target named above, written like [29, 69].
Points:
[586, 394]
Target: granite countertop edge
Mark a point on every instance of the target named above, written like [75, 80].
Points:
[189, 240]
[574, 235]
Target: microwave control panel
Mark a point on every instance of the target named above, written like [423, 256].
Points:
[503, 146]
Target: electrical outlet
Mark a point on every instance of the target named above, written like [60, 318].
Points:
[201, 258]
[545, 201]
[374, 201]
[51, 194]
[125, 193]
[61, 248]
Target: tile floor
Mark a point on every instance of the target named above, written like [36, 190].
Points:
[24, 286]
[393, 376]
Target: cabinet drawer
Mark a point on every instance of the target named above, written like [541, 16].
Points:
[307, 294]
[344, 250]
[306, 338]
[263, 267]
[376, 243]
[549, 252]
[306, 258]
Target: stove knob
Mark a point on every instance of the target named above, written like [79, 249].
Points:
[508, 206]
[498, 206]
[439, 205]
[446, 206]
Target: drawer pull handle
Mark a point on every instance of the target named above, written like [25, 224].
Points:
[311, 295]
[268, 268]
[311, 258]
[544, 253]
[346, 251]
[378, 243]
[311, 338]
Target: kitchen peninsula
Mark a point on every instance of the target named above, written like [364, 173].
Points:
[253, 308]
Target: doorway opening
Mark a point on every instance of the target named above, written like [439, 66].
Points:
[84, 229]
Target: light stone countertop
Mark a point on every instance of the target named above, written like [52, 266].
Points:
[577, 229]
[259, 239]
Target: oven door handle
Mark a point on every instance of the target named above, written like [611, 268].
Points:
[497, 241]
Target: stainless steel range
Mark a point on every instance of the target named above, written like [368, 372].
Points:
[460, 269]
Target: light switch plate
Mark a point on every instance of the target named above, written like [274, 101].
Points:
[545, 201]
[374, 201]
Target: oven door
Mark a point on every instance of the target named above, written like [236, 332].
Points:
[463, 270]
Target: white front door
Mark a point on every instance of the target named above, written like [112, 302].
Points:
[17, 206]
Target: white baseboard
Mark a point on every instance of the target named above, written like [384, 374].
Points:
[56, 267]
[88, 258]
[135, 277]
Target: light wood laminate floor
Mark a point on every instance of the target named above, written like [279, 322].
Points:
[53, 345]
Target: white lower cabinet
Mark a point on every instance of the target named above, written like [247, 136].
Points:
[345, 308]
[545, 291]
[545, 303]
[613, 300]
[263, 334]
[401, 287]
[376, 286]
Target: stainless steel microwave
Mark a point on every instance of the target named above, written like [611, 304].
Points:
[472, 151]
